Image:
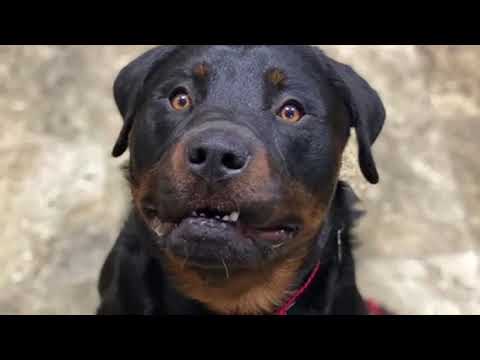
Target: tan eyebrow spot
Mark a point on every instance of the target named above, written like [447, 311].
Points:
[200, 70]
[277, 77]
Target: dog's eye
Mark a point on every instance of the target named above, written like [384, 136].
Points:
[180, 100]
[291, 112]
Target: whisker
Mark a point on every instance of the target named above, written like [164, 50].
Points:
[226, 269]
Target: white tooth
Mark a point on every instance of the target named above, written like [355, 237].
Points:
[158, 230]
[234, 216]
[226, 218]
[217, 217]
[202, 214]
[194, 213]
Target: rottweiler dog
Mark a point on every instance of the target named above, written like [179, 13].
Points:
[235, 153]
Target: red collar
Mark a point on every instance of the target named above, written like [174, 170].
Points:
[375, 309]
[372, 307]
[291, 301]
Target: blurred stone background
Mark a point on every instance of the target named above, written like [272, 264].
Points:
[63, 197]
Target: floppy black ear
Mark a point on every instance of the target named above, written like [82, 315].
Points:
[366, 110]
[127, 89]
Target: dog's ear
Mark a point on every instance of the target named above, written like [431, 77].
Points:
[366, 110]
[127, 89]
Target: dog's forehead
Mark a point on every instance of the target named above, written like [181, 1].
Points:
[237, 76]
[256, 56]
[231, 63]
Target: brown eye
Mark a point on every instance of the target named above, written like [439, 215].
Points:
[180, 101]
[291, 113]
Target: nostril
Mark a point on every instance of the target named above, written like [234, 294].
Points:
[197, 156]
[233, 162]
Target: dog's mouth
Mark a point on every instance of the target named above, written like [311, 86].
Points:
[215, 219]
[208, 236]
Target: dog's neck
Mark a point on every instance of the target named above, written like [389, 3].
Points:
[255, 293]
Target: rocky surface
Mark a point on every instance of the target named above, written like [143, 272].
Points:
[63, 197]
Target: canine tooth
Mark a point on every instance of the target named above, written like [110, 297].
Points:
[159, 229]
[194, 213]
[217, 217]
[234, 216]
[226, 218]
[202, 215]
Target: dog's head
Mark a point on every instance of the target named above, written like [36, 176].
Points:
[235, 151]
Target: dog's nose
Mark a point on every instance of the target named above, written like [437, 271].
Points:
[216, 157]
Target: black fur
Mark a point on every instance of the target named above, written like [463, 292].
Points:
[236, 94]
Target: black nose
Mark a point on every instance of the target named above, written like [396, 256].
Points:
[217, 157]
